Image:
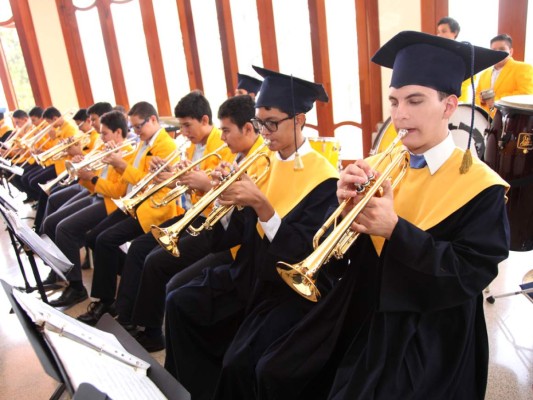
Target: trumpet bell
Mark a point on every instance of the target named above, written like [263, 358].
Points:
[296, 276]
[166, 239]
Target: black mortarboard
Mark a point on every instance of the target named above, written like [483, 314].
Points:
[418, 58]
[290, 95]
[248, 83]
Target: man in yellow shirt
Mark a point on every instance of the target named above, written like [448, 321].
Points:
[506, 78]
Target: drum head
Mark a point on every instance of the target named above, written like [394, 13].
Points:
[520, 104]
[459, 126]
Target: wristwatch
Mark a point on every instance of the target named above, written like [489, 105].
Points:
[94, 179]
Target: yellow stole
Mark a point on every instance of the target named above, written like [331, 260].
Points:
[426, 200]
[286, 187]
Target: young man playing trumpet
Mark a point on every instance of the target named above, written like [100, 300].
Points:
[118, 228]
[67, 226]
[406, 319]
[149, 267]
[277, 223]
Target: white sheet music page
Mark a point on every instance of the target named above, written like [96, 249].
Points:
[116, 379]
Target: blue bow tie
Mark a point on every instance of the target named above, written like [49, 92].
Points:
[417, 161]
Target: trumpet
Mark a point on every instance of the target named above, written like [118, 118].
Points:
[93, 160]
[64, 178]
[301, 277]
[60, 150]
[132, 200]
[168, 237]
[181, 189]
[19, 139]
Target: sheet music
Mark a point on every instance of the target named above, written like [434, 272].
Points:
[108, 375]
[50, 254]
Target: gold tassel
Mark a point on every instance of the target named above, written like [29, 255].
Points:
[298, 163]
[467, 162]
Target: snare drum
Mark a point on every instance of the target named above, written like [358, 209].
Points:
[509, 152]
[459, 126]
[329, 147]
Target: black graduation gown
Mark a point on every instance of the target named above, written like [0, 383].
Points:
[406, 325]
[203, 316]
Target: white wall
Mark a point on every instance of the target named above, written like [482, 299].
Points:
[53, 54]
[395, 16]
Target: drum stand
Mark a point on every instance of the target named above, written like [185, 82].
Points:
[527, 289]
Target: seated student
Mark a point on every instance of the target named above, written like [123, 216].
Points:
[277, 223]
[506, 78]
[247, 85]
[149, 267]
[67, 226]
[5, 126]
[118, 228]
[406, 319]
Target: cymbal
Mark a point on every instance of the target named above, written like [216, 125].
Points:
[528, 277]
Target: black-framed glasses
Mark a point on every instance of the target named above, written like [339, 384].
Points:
[138, 127]
[271, 126]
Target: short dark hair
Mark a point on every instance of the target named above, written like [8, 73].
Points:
[20, 114]
[81, 115]
[115, 120]
[51, 112]
[143, 110]
[239, 109]
[36, 112]
[193, 105]
[505, 37]
[99, 108]
[453, 24]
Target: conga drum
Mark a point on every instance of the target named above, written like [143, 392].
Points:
[508, 151]
[329, 147]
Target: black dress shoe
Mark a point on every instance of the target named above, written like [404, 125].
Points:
[69, 297]
[150, 344]
[95, 310]
[51, 282]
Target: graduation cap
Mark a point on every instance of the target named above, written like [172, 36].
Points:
[418, 58]
[248, 83]
[290, 95]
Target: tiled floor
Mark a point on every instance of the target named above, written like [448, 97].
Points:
[509, 320]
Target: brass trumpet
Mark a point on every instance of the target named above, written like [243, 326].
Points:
[60, 150]
[64, 178]
[168, 237]
[132, 200]
[181, 189]
[93, 160]
[301, 277]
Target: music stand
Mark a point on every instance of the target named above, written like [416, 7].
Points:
[34, 244]
[48, 360]
[168, 385]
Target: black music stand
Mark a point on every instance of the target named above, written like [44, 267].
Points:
[48, 360]
[168, 385]
[33, 245]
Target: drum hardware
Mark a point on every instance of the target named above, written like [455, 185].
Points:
[527, 289]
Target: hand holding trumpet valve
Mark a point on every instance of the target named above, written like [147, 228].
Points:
[378, 217]
[115, 158]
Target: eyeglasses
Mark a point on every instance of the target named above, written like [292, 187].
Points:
[271, 126]
[138, 127]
